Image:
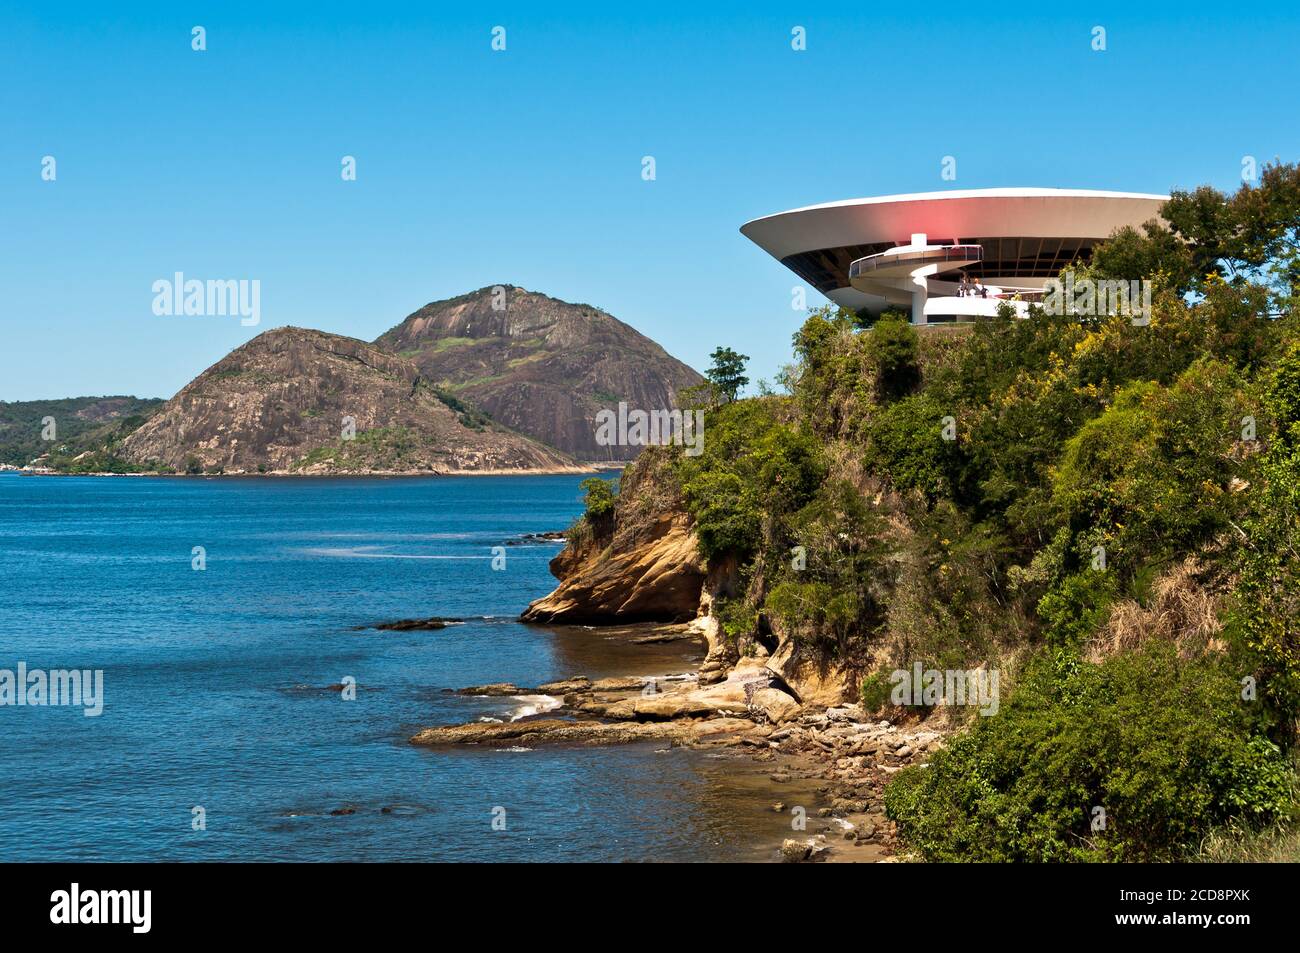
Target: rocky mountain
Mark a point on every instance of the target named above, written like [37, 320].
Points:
[284, 402]
[538, 365]
[78, 424]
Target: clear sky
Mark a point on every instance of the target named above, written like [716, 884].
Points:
[477, 167]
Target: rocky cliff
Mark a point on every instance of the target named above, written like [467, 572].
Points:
[638, 565]
[642, 564]
[300, 401]
[538, 365]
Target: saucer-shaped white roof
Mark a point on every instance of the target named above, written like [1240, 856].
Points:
[952, 216]
[1027, 234]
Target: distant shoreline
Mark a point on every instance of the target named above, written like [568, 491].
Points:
[364, 474]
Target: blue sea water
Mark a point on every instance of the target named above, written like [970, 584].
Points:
[217, 682]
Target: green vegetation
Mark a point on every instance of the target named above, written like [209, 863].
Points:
[1165, 748]
[81, 424]
[1105, 512]
[727, 373]
[444, 344]
[756, 468]
[598, 495]
[892, 352]
[381, 448]
[469, 415]
[1250, 238]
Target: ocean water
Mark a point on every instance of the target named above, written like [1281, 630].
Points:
[217, 682]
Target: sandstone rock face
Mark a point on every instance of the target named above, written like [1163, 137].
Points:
[774, 705]
[642, 565]
[815, 684]
[279, 403]
[657, 581]
[540, 366]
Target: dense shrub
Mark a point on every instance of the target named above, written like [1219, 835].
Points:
[1167, 748]
[892, 352]
[598, 497]
[754, 469]
[833, 385]
[906, 444]
[1266, 607]
[831, 590]
[1152, 475]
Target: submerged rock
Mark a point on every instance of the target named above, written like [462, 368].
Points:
[495, 689]
[408, 625]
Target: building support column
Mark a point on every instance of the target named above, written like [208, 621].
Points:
[918, 301]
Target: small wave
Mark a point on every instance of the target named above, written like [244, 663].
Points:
[514, 748]
[534, 705]
[361, 552]
[683, 677]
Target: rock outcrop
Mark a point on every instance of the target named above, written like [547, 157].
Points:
[554, 731]
[299, 401]
[657, 580]
[639, 565]
[844, 752]
[642, 564]
[816, 684]
[538, 365]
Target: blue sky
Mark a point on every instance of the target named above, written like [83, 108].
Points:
[476, 167]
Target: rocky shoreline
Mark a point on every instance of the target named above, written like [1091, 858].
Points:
[759, 695]
[837, 750]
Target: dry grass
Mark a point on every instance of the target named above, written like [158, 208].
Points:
[1184, 610]
[1277, 845]
[648, 494]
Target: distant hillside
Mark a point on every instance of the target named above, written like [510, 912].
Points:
[79, 423]
[541, 366]
[279, 403]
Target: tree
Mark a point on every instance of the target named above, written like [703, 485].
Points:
[1251, 235]
[1152, 253]
[728, 371]
[893, 351]
[599, 497]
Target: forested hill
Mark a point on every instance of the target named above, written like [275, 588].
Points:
[79, 423]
